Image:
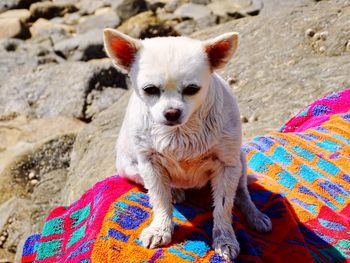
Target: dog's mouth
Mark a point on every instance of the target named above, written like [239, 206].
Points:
[172, 123]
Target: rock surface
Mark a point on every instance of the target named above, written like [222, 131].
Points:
[279, 69]
[34, 160]
[44, 27]
[93, 157]
[15, 4]
[21, 14]
[32, 147]
[50, 9]
[60, 89]
[107, 18]
[12, 27]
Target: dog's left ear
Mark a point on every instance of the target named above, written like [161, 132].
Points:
[221, 49]
[121, 48]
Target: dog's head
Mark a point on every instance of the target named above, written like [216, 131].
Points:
[170, 74]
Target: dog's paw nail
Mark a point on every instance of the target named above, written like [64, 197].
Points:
[152, 237]
[227, 248]
[178, 196]
[261, 222]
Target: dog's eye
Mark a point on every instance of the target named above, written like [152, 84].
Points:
[191, 90]
[152, 90]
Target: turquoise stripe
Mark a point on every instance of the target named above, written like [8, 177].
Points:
[180, 254]
[259, 162]
[287, 180]
[328, 167]
[309, 174]
[329, 145]
[304, 153]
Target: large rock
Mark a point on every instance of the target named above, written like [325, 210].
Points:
[13, 27]
[46, 195]
[15, 4]
[88, 7]
[123, 8]
[105, 18]
[93, 155]
[13, 61]
[146, 25]
[128, 8]
[45, 27]
[19, 57]
[136, 25]
[50, 9]
[82, 47]
[21, 14]
[227, 10]
[172, 5]
[99, 100]
[201, 14]
[59, 89]
[31, 148]
[34, 160]
[279, 68]
[14, 226]
[194, 11]
[186, 28]
[20, 130]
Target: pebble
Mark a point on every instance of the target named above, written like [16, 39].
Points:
[310, 32]
[324, 35]
[253, 118]
[232, 81]
[317, 36]
[12, 249]
[322, 49]
[347, 47]
[244, 119]
[31, 175]
[2, 238]
[34, 182]
[5, 233]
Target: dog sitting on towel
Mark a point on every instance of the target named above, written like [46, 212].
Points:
[182, 130]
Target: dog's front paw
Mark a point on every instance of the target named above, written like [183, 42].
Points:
[178, 195]
[226, 247]
[260, 222]
[152, 237]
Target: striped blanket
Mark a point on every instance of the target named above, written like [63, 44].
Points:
[303, 185]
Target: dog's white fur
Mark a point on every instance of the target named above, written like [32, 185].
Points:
[204, 146]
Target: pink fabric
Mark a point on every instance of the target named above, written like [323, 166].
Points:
[319, 111]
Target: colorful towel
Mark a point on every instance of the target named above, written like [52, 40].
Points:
[303, 186]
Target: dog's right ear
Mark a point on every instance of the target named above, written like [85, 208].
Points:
[121, 48]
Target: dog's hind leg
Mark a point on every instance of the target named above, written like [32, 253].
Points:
[254, 217]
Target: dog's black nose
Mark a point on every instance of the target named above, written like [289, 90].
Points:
[172, 114]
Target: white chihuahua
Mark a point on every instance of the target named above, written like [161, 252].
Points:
[181, 130]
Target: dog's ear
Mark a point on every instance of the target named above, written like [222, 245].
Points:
[221, 49]
[121, 48]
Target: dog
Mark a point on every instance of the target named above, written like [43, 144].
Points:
[182, 130]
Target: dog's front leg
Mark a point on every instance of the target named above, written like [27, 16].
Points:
[156, 181]
[224, 187]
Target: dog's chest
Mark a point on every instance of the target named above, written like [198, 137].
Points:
[193, 172]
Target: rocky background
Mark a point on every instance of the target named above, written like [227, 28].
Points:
[62, 102]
